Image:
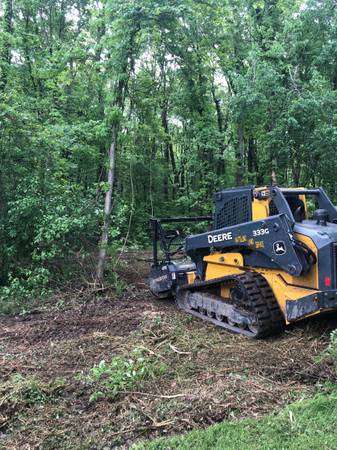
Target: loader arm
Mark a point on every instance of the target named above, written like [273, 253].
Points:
[273, 237]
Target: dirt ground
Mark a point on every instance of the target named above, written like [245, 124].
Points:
[207, 374]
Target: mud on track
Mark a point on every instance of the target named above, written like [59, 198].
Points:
[209, 374]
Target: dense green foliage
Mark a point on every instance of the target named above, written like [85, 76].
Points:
[306, 425]
[198, 95]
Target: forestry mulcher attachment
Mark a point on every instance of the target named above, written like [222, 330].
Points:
[269, 259]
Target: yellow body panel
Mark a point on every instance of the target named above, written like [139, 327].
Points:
[281, 289]
[284, 286]
[260, 209]
[222, 264]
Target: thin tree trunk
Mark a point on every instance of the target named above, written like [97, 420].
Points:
[218, 111]
[5, 57]
[296, 170]
[273, 178]
[107, 205]
[62, 19]
[101, 174]
[240, 156]
[220, 164]
[5, 61]
[165, 181]
[151, 190]
[174, 169]
[2, 194]
[169, 153]
[252, 163]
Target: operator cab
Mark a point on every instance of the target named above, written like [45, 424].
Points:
[297, 207]
[311, 206]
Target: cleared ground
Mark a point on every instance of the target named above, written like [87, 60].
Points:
[206, 375]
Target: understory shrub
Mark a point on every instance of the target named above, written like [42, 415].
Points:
[122, 373]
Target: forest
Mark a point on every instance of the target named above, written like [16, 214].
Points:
[116, 111]
[160, 103]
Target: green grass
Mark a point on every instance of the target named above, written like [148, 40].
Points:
[305, 425]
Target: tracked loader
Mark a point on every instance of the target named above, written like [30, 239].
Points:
[269, 258]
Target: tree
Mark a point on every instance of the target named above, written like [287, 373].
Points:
[124, 60]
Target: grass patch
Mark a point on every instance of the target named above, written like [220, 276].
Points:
[308, 424]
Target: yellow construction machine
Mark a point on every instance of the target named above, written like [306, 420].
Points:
[268, 259]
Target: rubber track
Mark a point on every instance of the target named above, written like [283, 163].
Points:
[260, 301]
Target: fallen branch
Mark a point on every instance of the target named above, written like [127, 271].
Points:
[152, 395]
[172, 347]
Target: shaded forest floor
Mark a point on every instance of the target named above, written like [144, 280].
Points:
[207, 375]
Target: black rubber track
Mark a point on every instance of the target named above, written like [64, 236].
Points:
[261, 302]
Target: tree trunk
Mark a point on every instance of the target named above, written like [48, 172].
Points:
[101, 30]
[166, 171]
[296, 170]
[220, 164]
[107, 205]
[174, 170]
[169, 153]
[5, 58]
[252, 163]
[62, 19]
[240, 156]
[274, 172]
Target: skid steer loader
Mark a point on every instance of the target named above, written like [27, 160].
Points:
[269, 259]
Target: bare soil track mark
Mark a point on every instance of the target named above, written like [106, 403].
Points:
[210, 374]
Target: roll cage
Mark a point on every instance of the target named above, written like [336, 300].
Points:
[282, 199]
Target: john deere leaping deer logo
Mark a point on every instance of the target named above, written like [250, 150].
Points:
[279, 248]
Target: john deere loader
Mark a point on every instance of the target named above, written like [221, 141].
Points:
[269, 258]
